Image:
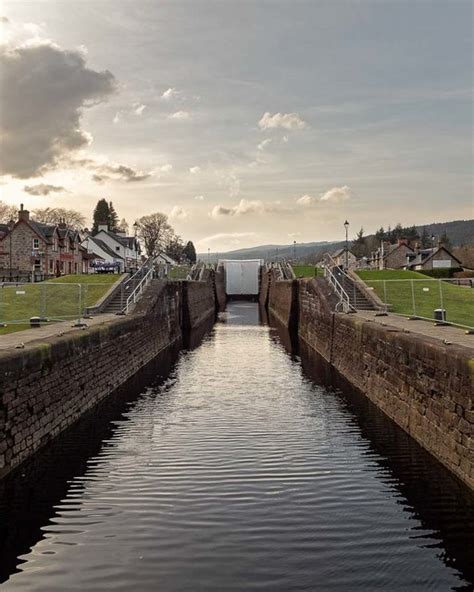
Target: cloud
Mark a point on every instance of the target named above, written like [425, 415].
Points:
[179, 213]
[195, 170]
[38, 134]
[333, 195]
[117, 117]
[104, 170]
[3, 19]
[166, 168]
[230, 237]
[43, 189]
[199, 197]
[180, 115]
[288, 121]
[263, 144]
[138, 108]
[337, 194]
[170, 93]
[294, 234]
[241, 209]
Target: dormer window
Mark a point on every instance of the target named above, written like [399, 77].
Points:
[36, 244]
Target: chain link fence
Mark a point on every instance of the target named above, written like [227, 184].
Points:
[442, 300]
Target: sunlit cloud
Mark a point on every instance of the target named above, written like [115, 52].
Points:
[288, 121]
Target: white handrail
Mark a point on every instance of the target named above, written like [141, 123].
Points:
[344, 301]
[132, 299]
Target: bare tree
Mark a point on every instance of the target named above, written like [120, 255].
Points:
[123, 226]
[72, 218]
[155, 232]
[7, 212]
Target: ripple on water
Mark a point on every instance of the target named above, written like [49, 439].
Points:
[240, 473]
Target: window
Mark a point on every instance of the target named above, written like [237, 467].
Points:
[55, 244]
[117, 248]
[36, 243]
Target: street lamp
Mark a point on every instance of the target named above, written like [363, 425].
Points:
[294, 251]
[208, 255]
[432, 240]
[346, 226]
[135, 233]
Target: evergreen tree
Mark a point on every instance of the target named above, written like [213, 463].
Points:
[380, 234]
[411, 233]
[101, 215]
[358, 244]
[113, 218]
[123, 226]
[190, 252]
[425, 238]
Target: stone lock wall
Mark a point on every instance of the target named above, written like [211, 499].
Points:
[47, 386]
[424, 385]
[282, 301]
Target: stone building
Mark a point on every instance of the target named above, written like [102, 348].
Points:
[435, 258]
[340, 258]
[391, 256]
[31, 249]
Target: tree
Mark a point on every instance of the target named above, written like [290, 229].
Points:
[380, 234]
[155, 232]
[113, 218]
[123, 226]
[425, 238]
[190, 252]
[175, 247]
[71, 218]
[358, 244]
[7, 212]
[101, 215]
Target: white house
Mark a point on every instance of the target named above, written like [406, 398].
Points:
[126, 247]
[104, 257]
[164, 259]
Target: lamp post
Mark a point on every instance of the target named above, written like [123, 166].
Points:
[294, 251]
[135, 232]
[208, 255]
[432, 240]
[346, 226]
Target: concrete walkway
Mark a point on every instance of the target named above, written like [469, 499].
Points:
[31, 336]
[451, 334]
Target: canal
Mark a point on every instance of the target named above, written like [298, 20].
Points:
[236, 469]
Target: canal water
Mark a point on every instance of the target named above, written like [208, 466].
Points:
[237, 470]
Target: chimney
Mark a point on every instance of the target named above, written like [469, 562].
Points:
[102, 226]
[402, 241]
[62, 223]
[23, 214]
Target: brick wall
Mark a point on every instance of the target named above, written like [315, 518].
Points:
[47, 386]
[264, 288]
[282, 301]
[198, 303]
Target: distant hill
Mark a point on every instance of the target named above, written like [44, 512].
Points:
[460, 232]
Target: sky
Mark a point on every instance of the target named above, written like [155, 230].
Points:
[246, 122]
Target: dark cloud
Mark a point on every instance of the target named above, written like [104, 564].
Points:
[114, 172]
[43, 189]
[43, 93]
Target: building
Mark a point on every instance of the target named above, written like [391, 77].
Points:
[436, 258]
[37, 251]
[126, 247]
[101, 257]
[339, 257]
[390, 256]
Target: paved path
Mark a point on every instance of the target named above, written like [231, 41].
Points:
[451, 334]
[30, 336]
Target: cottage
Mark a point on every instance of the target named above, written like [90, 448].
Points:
[102, 257]
[390, 256]
[126, 247]
[34, 250]
[436, 258]
[345, 258]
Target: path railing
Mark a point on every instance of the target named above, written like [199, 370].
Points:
[344, 303]
[141, 279]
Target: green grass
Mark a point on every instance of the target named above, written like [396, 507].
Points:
[456, 300]
[179, 272]
[306, 270]
[56, 299]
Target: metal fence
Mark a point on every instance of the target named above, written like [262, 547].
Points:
[442, 300]
[48, 301]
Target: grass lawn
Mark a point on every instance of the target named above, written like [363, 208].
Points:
[306, 270]
[458, 301]
[57, 299]
[179, 272]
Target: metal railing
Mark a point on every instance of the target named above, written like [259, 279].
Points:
[449, 301]
[139, 280]
[344, 303]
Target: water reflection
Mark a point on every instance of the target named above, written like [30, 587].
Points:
[238, 468]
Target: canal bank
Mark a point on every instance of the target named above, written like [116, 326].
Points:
[422, 382]
[240, 470]
[51, 382]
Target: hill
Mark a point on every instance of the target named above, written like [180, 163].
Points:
[460, 232]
